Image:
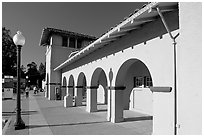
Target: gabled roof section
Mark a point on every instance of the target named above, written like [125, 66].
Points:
[47, 32]
[134, 22]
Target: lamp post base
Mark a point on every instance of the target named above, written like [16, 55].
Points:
[19, 124]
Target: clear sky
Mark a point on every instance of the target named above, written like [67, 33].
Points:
[82, 17]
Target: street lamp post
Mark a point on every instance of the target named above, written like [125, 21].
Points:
[19, 41]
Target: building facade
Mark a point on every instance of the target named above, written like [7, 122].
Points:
[149, 63]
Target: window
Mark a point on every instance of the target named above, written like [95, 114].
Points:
[138, 81]
[148, 82]
[142, 81]
[64, 41]
[72, 42]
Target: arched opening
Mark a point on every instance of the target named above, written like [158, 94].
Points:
[81, 89]
[64, 87]
[71, 86]
[136, 99]
[99, 80]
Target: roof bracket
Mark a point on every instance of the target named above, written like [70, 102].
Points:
[164, 8]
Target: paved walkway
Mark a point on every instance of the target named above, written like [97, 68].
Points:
[45, 117]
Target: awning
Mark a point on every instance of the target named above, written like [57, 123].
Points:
[133, 22]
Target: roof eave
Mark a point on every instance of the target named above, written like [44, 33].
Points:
[118, 30]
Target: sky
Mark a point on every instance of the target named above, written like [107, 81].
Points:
[83, 17]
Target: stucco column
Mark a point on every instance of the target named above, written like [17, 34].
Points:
[78, 95]
[68, 99]
[109, 105]
[51, 92]
[91, 99]
[163, 111]
[117, 104]
[46, 91]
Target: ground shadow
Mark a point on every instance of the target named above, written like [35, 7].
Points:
[8, 99]
[102, 104]
[28, 112]
[142, 118]
[83, 105]
[22, 113]
[8, 113]
[101, 110]
[70, 124]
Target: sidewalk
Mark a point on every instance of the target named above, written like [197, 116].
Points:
[45, 117]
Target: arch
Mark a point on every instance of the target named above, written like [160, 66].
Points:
[98, 90]
[64, 87]
[71, 85]
[99, 79]
[81, 89]
[133, 74]
[64, 83]
[125, 68]
[96, 75]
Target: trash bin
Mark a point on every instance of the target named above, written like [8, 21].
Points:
[8, 93]
[57, 93]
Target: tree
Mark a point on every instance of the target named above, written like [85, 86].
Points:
[42, 71]
[33, 74]
[9, 57]
[42, 74]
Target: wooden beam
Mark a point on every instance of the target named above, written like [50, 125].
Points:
[102, 43]
[129, 28]
[143, 20]
[164, 8]
[161, 89]
[117, 34]
[108, 39]
[168, 8]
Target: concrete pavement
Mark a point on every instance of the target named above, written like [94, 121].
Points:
[45, 117]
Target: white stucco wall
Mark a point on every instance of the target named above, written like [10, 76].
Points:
[101, 95]
[55, 55]
[157, 54]
[48, 70]
[141, 100]
[190, 68]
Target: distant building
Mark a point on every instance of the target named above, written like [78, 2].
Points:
[133, 65]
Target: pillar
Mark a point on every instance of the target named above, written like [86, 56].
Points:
[109, 105]
[116, 104]
[51, 92]
[46, 91]
[68, 99]
[163, 111]
[91, 99]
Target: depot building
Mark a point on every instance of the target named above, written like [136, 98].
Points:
[150, 63]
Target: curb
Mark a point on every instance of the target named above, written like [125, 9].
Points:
[6, 126]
